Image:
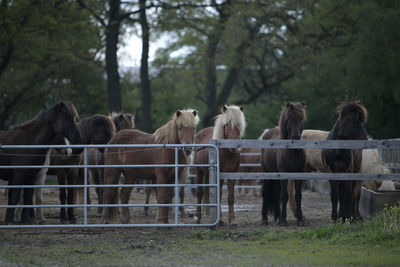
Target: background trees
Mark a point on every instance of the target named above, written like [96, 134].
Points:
[254, 53]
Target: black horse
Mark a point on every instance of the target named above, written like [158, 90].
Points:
[58, 119]
[349, 126]
[274, 192]
[96, 129]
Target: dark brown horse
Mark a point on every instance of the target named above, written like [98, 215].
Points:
[274, 192]
[348, 126]
[180, 129]
[229, 124]
[95, 129]
[59, 119]
[96, 157]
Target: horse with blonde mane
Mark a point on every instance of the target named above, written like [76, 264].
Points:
[229, 124]
[180, 129]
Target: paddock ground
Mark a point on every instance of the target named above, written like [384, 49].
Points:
[316, 210]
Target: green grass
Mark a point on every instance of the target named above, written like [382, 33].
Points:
[371, 243]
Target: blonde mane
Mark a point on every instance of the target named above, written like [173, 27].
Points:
[232, 115]
[168, 133]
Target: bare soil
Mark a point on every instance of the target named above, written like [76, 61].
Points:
[316, 210]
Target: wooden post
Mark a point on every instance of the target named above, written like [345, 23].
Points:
[212, 158]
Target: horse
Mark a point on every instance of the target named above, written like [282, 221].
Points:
[274, 192]
[59, 119]
[371, 163]
[229, 124]
[95, 129]
[349, 126]
[62, 154]
[180, 129]
[96, 157]
[249, 159]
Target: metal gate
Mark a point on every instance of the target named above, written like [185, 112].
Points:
[213, 185]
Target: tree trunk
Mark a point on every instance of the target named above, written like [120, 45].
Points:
[112, 34]
[146, 124]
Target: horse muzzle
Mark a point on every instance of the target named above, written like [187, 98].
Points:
[187, 151]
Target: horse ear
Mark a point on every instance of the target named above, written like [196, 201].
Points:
[178, 113]
[224, 108]
[241, 108]
[304, 104]
[195, 113]
[288, 104]
[121, 117]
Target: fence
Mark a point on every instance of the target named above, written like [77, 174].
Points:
[213, 185]
[308, 144]
[214, 176]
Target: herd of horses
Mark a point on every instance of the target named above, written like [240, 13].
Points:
[57, 125]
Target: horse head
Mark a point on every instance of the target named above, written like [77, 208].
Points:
[62, 116]
[97, 129]
[187, 121]
[122, 120]
[291, 121]
[351, 121]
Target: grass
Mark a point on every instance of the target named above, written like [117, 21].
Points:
[371, 243]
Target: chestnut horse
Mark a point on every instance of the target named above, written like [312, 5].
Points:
[58, 119]
[180, 129]
[348, 126]
[229, 124]
[274, 192]
[96, 157]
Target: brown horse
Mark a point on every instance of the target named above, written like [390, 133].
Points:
[59, 119]
[348, 126]
[274, 192]
[229, 124]
[96, 157]
[95, 129]
[180, 129]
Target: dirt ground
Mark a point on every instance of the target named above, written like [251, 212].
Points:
[316, 210]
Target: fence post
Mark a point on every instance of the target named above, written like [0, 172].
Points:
[212, 157]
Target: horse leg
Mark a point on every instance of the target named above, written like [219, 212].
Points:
[348, 212]
[284, 200]
[221, 222]
[357, 195]
[264, 209]
[163, 197]
[98, 179]
[39, 195]
[13, 197]
[231, 200]
[125, 195]
[298, 197]
[181, 200]
[63, 196]
[334, 199]
[199, 193]
[147, 190]
[110, 194]
[27, 214]
[71, 196]
[275, 199]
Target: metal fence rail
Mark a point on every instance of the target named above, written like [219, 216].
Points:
[213, 185]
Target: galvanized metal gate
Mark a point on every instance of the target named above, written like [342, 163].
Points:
[213, 185]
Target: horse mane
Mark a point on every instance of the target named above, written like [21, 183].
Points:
[168, 133]
[355, 110]
[88, 125]
[291, 112]
[46, 115]
[115, 117]
[230, 114]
